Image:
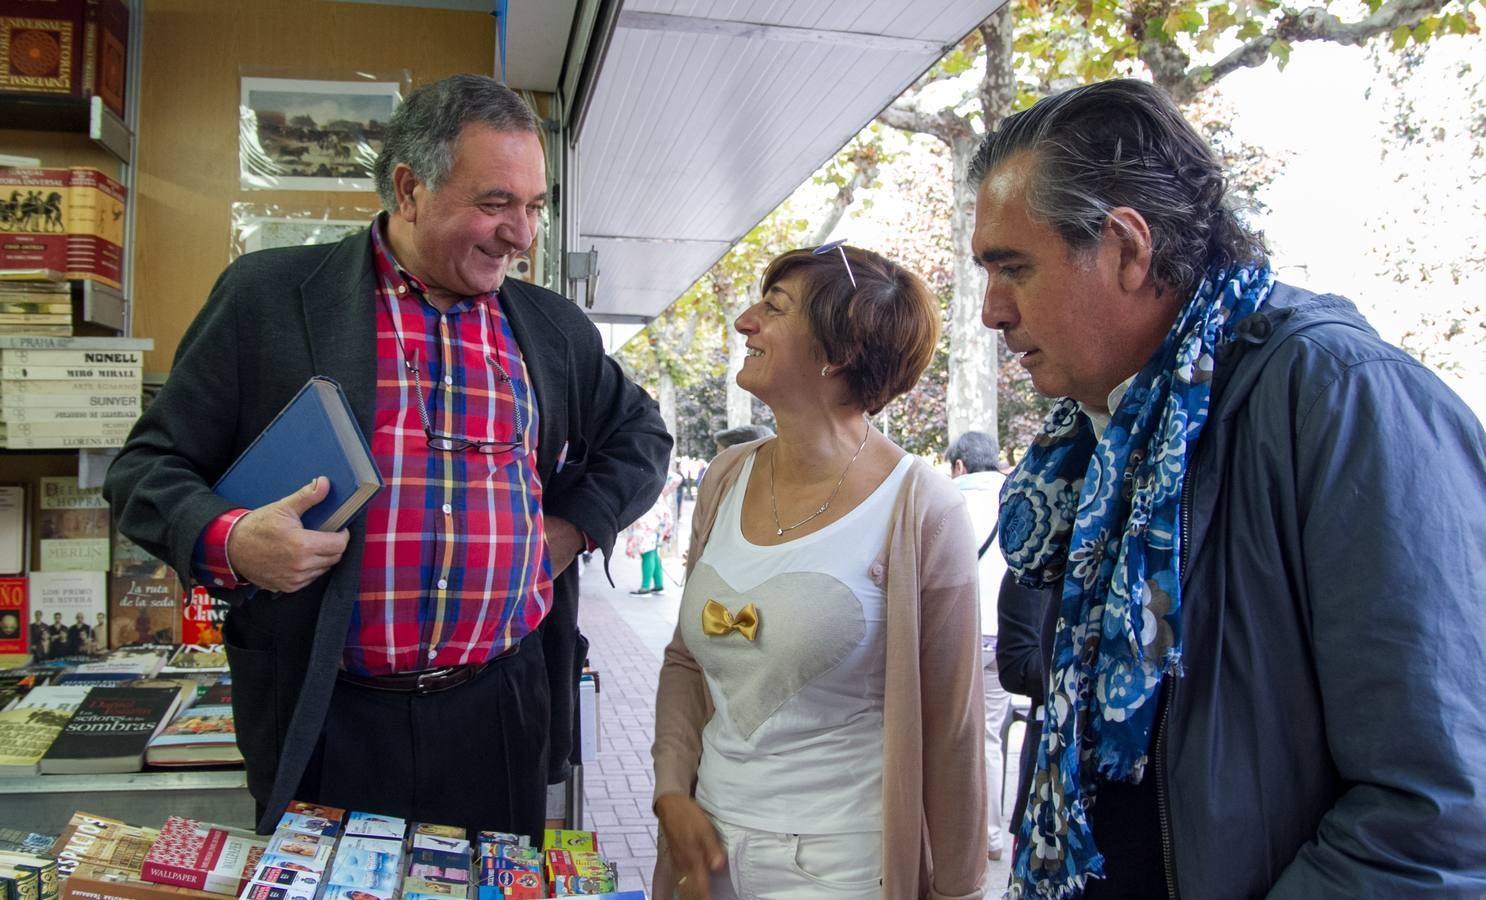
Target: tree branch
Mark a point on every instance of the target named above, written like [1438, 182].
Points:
[944, 125]
[1168, 64]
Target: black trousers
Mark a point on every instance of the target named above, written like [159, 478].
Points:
[474, 755]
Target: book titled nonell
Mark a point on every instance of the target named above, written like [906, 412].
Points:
[205, 857]
[315, 434]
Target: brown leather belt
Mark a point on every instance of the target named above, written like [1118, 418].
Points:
[427, 681]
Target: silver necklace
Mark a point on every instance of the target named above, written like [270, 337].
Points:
[774, 501]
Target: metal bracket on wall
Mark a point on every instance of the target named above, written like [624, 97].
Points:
[583, 265]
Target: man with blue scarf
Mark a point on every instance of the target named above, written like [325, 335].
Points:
[1262, 527]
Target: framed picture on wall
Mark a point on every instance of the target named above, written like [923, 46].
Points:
[301, 135]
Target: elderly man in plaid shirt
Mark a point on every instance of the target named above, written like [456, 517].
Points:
[423, 662]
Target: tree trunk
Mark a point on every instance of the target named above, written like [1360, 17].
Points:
[739, 401]
[970, 404]
[665, 395]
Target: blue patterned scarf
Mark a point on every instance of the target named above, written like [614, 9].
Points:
[1104, 516]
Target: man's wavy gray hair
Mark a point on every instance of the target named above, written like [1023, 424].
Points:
[1124, 143]
[426, 126]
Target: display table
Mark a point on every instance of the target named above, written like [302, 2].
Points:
[45, 802]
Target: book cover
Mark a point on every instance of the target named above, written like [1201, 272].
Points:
[71, 220]
[89, 882]
[60, 697]
[45, 869]
[75, 48]
[102, 843]
[15, 644]
[315, 434]
[13, 535]
[71, 605]
[144, 608]
[110, 730]
[200, 735]
[197, 658]
[203, 857]
[72, 523]
[25, 736]
[202, 616]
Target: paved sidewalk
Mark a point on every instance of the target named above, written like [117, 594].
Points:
[627, 636]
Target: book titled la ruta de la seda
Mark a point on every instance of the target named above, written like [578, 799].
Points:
[315, 434]
[203, 857]
[110, 730]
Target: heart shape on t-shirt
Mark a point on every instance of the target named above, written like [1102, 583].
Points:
[808, 623]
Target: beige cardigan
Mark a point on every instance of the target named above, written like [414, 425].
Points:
[933, 768]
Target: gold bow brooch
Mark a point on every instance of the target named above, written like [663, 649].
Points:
[717, 621]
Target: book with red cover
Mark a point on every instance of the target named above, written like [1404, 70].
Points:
[203, 857]
[202, 616]
[13, 621]
[74, 48]
[89, 882]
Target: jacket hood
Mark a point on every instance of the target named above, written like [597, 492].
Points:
[1289, 311]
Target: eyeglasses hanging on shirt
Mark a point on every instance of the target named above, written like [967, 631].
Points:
[448, 442]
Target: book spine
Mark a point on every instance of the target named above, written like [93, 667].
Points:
[71, 357]
[79, 887]
[69, 373]
[34, 308]
[121, 394]
[46, 414]
[104, 427]
[23, 342]
[63, 443]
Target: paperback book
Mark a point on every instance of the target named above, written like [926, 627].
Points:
[110, 731]
[203, 857]
[200, 735]
[102, 843]
[202, 616]
[72, 605]
[73, 526]
[13, 543]
[25, 736]
[144, 609]
[14, 632]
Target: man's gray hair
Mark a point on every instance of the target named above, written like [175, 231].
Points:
[741, 435]
[1124, 143]
[424, 129]
[976, 449]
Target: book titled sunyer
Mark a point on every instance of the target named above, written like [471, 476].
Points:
[315, 434]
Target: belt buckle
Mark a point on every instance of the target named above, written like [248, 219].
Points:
[430, 681]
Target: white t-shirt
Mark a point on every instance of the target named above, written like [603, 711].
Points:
[982, 493]
[795, 745]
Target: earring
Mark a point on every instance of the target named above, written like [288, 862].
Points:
[825, 371]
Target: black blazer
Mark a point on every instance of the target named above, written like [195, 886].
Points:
[274, 319]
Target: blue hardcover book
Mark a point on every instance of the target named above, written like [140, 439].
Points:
[316, 434]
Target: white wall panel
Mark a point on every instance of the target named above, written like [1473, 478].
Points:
[699, 126]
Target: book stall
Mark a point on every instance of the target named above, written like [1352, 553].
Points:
[316, 852]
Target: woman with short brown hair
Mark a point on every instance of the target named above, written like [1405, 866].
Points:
[819, 714]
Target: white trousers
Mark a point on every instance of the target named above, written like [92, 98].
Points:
[763, 865]
[998, 704]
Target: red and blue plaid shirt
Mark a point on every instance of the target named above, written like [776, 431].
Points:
[455, 566]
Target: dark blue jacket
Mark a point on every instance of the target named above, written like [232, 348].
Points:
[1328, 736]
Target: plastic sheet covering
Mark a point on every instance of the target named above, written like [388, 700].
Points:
[262, 226]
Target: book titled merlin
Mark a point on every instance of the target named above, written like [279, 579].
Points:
[76, 48]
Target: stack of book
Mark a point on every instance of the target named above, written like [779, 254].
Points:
[67, 220]
[69, 392]
[36, 307]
